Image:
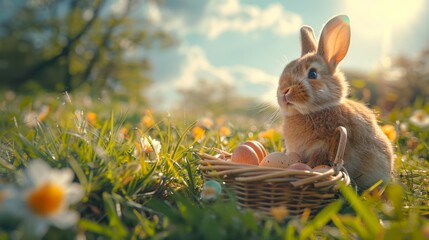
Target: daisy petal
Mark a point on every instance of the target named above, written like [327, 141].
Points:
[37, 172]
[74, 193]
[64, 219]
[63, 176]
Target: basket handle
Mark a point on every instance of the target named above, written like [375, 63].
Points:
[340, 132]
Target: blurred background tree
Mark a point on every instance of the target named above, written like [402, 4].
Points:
[218, 98]
[68, 44]
[403, 81]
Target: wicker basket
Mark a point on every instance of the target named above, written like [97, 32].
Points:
[262, 188]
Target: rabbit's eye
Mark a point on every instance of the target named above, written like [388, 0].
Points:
[312, 73]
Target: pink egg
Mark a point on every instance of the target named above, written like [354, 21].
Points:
[244, 154]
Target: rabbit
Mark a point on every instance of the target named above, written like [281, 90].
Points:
[312, 96]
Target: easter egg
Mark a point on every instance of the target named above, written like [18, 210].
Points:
[279, 160]
[293, 157]
[244, 154]
[321, 168]
[258, 148]
[299, 166]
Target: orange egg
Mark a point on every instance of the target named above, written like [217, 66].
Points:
[244, 154]
[258, 148]
[299, 166]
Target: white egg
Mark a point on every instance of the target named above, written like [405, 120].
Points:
[279, 160]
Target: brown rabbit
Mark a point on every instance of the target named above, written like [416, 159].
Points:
[312, 97]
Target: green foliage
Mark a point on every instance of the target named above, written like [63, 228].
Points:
[132, 193]
[64, 45]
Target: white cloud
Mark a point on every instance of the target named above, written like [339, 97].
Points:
[246, 80]
[218, 17]
[247, 18]
[196, 67]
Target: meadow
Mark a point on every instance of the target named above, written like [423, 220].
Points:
[123, 172]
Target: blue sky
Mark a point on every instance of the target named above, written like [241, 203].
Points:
[246, 44]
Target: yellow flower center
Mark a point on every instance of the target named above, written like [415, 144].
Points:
[46, 199]
[198, 133]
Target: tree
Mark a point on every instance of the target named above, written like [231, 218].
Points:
[66, 44]
[406, 81]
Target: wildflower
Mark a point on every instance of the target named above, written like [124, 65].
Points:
[91, 117]
[224, 131]
[198, 133]
[420, 119]
[211, 190]
[150, 146]
[43, 113]
[32, 118]
[270, 134]
[279, 213]
[390, 131]
[123, 133]
[147, 119]
[207, 122]
[46, 198]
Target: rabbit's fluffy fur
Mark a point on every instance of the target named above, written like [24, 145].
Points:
[312, 97]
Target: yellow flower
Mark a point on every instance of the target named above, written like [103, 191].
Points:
[279, 213]
[390, 131]
[147, 119]
[269, 134]
[198, 133]
[124, 133]
[46, 199]
[91, 117]
[224, 131]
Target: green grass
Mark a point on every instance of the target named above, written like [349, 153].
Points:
[132, 194]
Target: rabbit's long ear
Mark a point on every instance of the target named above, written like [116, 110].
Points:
[308, 41]
[335, 40]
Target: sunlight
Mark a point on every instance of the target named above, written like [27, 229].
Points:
[381, 19]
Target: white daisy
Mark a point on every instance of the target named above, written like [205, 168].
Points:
[46, 197]
[151, 146]
[420, 119]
